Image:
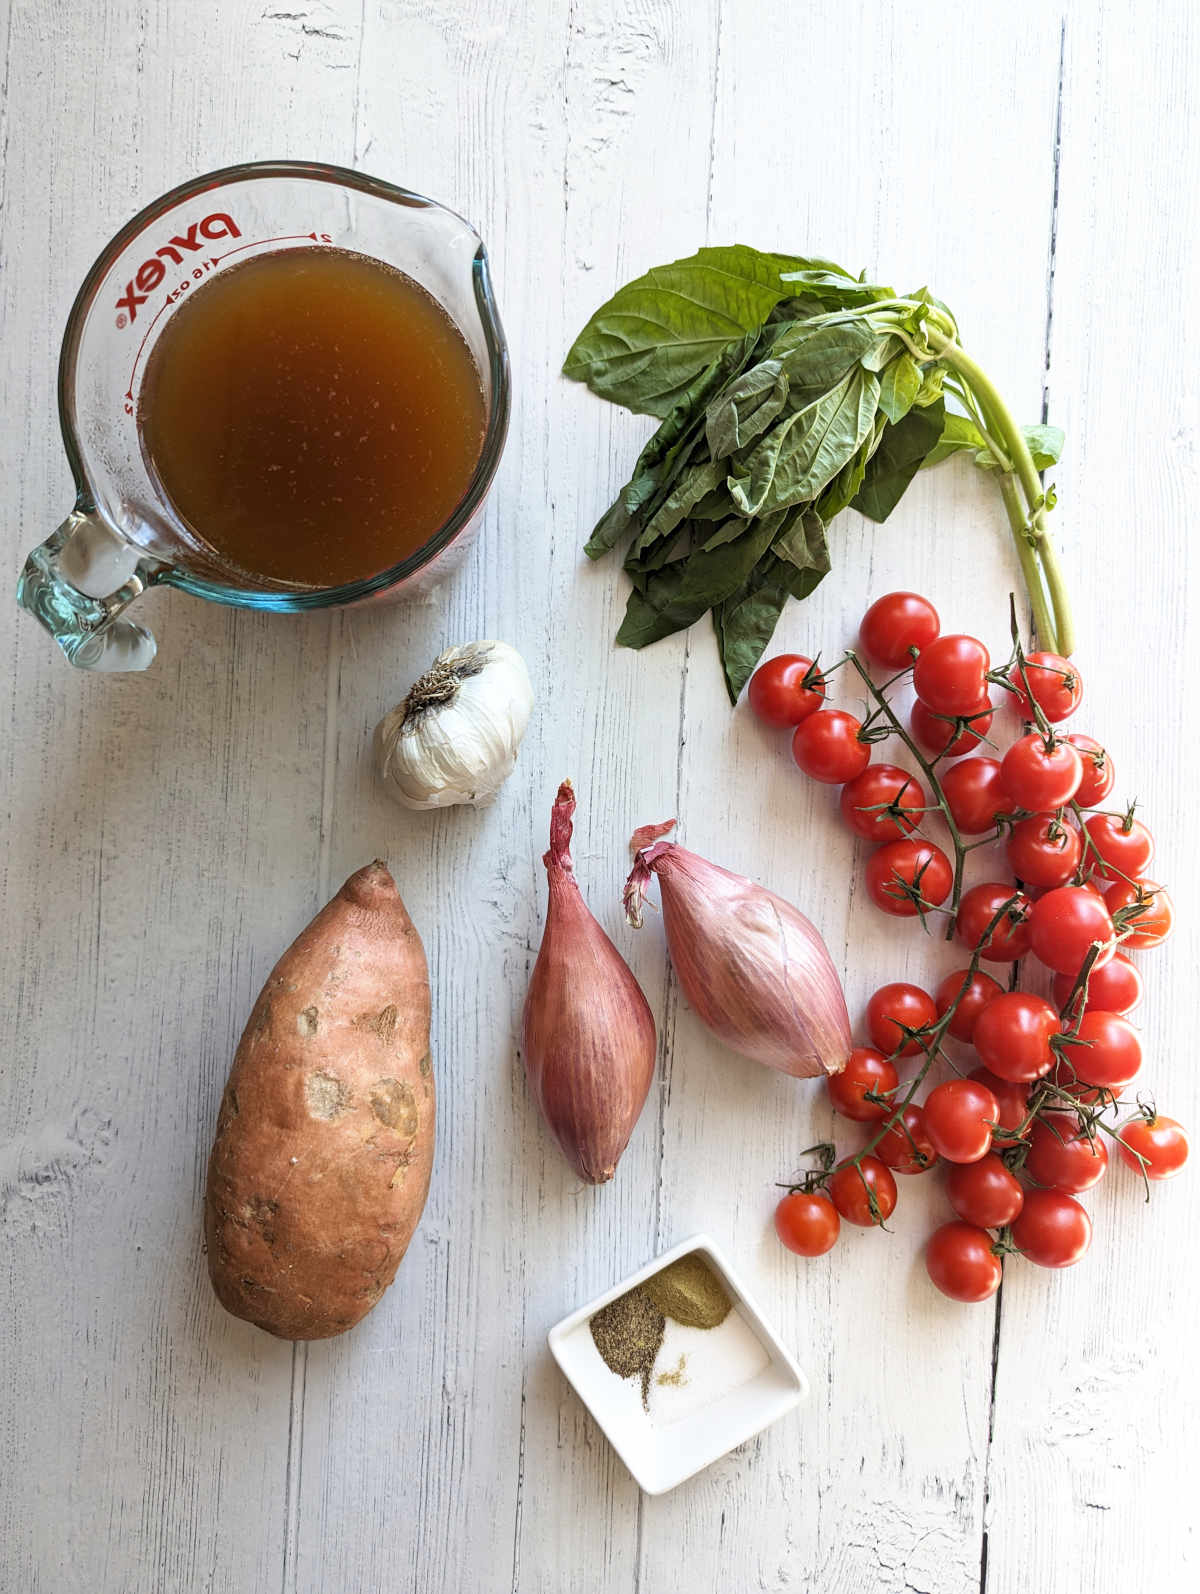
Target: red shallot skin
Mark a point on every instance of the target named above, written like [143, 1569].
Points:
[588, 1038]
[752, 966]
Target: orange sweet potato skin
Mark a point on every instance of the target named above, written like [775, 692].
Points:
[324, 1144]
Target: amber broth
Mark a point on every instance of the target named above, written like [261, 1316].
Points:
[312, 414]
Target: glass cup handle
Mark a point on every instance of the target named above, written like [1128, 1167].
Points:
[78, 583]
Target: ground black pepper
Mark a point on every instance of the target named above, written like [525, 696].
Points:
[628, 1333]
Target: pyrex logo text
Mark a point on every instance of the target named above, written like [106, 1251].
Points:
[151, 272]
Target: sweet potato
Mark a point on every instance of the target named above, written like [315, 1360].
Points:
[324, 1144]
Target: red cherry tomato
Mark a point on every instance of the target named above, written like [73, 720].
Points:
[1114, 988]
[1124, 845]
[1108, 1053]
[950, 677]
[1064, 926]
[1005, 940]
[1160, 1140]
[827, 748]
[1062, 1157]
[972, 992]
[959, 1115]
[1052, 1229]
[1040, 774]
[1054, 684]
[879, 804]
[1012, 1098]
[1099, 776]
[895, 625]
[976, 794]
[908, 877]
[950, 738]
[1147, 914]
[962, 1262]
[865, 1070]
[1044, 850]
[806, 1221]
[894, 1009]
[786, 690]
[865, 1195]
[906, 1146]
[984, 1192]
[1013, 1036]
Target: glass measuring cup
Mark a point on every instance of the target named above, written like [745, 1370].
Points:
[123, 534]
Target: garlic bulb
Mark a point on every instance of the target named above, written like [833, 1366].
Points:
[454, 739]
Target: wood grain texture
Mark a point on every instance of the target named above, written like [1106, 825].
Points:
[169, 834]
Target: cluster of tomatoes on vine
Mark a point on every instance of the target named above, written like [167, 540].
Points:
[1049, 1071]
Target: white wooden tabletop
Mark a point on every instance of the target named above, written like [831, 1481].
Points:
[168, 834]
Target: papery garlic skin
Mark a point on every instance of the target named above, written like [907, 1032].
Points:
[454, 739]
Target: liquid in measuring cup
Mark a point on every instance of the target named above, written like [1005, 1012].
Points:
[312, 414]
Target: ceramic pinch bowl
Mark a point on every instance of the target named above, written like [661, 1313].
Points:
[710, 1389]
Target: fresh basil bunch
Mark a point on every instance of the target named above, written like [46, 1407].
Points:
[787, 390]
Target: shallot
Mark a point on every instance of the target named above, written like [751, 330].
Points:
[588, 1036]
[751, 965]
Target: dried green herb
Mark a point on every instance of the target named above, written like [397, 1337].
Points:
[689, 1291]
[788, 390]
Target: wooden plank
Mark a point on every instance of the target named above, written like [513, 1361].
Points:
[878, 1483]
[1097, 1399]
[446, 1399]
[163, 846]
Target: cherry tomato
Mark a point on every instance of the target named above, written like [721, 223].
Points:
[1162, 1142]
[865, 1070]
[907, 877]
[1125, 848]
[944, 736]
[894, 1009]
[1044, 850]
[1109, 1052]
[1147, 913]
[962, 1262]
[806, 1221]
[1012, 1098]
[1052, 1229]
[786, 690]
[959, 1115]
[1054, 684]
[906, 1146]
[984, 1192]
[827, 748]
[1005, 940]
[896, 624]
[856, 1191]
[976, 794]
[1040, 774]
[950, 677]
[1064, 926]
[1062, 1156]
[878, 804]
[1114, 988]
[1099, 776]
[1013, 1036]
[972, 992]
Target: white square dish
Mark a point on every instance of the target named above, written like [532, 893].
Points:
[661, 1454]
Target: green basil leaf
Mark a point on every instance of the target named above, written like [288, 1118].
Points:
[833, 285]
[746, 621]
[745, 408]
[814, 358]
[798, 458]
[646, 345]
[896, 461]
[899, 386]
[690, 487]
[843, 489]
[1045, 444]
[673, 599]
[958, 433]
[802, 543]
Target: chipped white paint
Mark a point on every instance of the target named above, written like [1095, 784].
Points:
[168, 834]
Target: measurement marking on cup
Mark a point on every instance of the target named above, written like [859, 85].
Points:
[197, 273]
